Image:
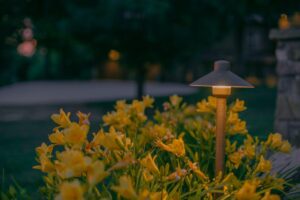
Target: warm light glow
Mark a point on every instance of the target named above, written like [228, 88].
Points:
[221, 90]
[221, 87]
[114, 55]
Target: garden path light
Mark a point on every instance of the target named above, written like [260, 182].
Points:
[221, 79]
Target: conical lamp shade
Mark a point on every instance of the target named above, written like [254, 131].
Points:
[221, 76]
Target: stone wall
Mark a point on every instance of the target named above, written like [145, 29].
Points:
[287, 116]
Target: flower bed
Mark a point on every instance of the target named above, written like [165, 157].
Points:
[166, 154]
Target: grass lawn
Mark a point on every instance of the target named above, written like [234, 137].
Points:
[18, 139]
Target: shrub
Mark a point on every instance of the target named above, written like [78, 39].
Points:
[166, 154]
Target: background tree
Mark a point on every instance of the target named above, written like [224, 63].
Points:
[74, 37]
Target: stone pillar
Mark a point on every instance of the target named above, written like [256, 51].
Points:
[287, 116]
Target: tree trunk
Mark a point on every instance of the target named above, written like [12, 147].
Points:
[140, 81]
[239, 54]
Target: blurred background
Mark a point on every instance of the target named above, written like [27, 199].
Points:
[152, 39]
[82, 55]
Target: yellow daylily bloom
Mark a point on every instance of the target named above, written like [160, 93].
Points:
[123, 163]
[175, 100]
[238, 106]
[203, 107]
[197, 171]
[148, 101]
[212, 101]
[138, 106]
[44, 149]
[147, 175]
[76, 134]
[176, 147]
[70, 191]
[149, 163]
[57, 138]
[121, 105]
[120, 118]
[46, 165]
[249, 147]
[96, 172]
[125, 188]
[189, 110]
[236, 158]
[71, 163]
[83, 118]
[231, 179]
[269, 196]
[263, 165]
[285, 147]
[112, 140]
[247, 192]
[238, 127]
[146, 195]
[177, 175]
[62, 119]
[157, 131]
[274, 140]
[233, 118]
[230, 148]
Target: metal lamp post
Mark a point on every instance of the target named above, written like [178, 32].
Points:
[221, 80]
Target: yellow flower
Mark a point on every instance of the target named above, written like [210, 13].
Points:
[112, 140]
[62, 119]
[238, 127]
[285, 147]
[197, 171]
[83, 118]
[138, 106]
[247, 192]
[236, 158]
[119, 119]
[71, 163]
[121, 105]
[157, 131]
[274, 140]
[263, 165]
[57, 137]
[231, 180]
[230, 148]
[203, 107]
[123, 163]
[233, 118]
[148, 101]
[269, 196]
[147, 176]
[146, 195]
[238, 106]
[44, 149]
[125, 188]
[176, 147]
[149, 163]
[96, 172]
[45, 164]
[177, 175]
[212, 101]
[249, 147]
[175, 100]
[70, 191]
[190, 110]
[76, 134]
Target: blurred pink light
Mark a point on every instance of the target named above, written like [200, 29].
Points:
[27, 48]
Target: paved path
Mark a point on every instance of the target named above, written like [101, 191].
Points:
[38, 100]
[72, 92]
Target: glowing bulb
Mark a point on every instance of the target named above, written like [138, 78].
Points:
[114, 55]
